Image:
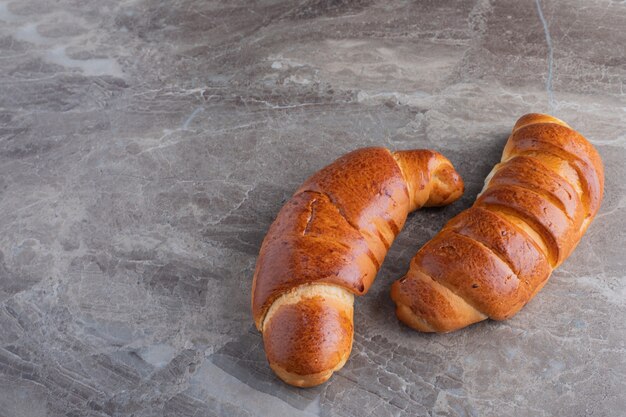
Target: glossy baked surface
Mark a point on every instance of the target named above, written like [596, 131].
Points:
[544, 193]
[327, 244]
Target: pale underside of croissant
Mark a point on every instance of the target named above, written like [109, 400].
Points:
[327, 244]
[491, 259]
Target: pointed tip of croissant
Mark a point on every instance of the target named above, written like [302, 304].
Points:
[533, 118]
[308, 334]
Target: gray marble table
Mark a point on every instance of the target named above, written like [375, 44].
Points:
[146, 146]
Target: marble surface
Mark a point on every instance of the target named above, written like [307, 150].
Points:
[146, 146]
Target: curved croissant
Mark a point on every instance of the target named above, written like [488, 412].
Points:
[491, 259]
[327, 244]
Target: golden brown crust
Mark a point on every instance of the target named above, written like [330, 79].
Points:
[377, 176]
[527, 172]
[570, 146]
[340, 223]
[329, 240]
[427, 306]
[431, 179]
[539, 212]
[310, 241]
[336, 228]
[309, 337]
[472, 271]
[534, 118]
[508, 242]
[497, 255]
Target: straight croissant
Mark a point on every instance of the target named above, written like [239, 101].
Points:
[327, 244]
[491, 259]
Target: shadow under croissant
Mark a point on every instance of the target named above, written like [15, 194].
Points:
[380, 372]
[244, 359]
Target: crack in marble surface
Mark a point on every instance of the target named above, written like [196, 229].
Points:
[546, 30]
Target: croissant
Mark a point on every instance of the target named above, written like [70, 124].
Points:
[327, 244]
[491, 259]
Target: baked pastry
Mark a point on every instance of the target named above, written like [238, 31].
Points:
[491, 259]
[327, 244]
